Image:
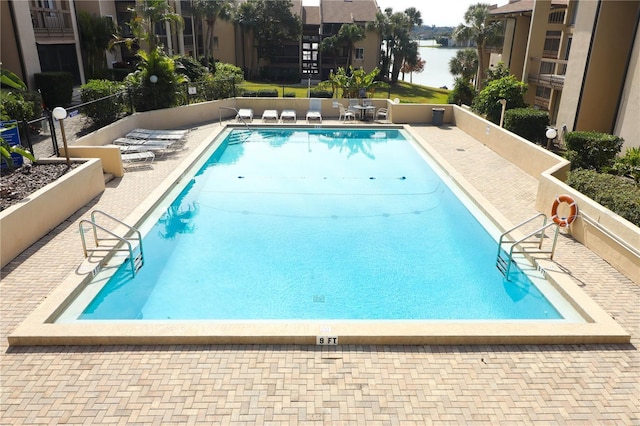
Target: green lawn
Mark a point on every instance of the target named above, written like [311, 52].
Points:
[406, 92]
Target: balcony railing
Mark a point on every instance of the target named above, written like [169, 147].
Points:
[52, 22]
[542, 102]
[550, 73]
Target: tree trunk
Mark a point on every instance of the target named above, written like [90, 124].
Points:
[480, 74]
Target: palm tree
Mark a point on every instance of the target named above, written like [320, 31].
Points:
[401, 45]
[331, 46]
[246, 17]
[210, 11]
[410, 68]
[464, 64]
[350, 34]
[481, 30]
[95, 34]
[144, 17]
[382, 25]
[415, 18]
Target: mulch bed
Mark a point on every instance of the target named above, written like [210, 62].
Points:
[18, 184]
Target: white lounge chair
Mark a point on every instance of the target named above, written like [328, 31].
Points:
[157, 143]
[315, 108]
[157, 134]
[138, 157]
[245, 114]
[270, 114]
[288, 114]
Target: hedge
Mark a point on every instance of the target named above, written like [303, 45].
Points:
[267, 93]
[592, 150]
[619, 195]
[56, 88]
[528, 123]
[104, 111]
[316, 93]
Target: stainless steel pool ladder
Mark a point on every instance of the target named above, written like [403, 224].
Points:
[503, 262]
[123, 243]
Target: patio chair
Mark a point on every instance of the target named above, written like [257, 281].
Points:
[382, 113]
[245, 114]
[346, 114]
[315, 108]
[288, 114]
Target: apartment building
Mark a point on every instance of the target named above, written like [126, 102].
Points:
[579, 59]
[42, 35]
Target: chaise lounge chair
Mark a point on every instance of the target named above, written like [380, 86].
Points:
[270, 114]
[288, 114]
[137, 157]
[315, 108]
[157, 134]
[245, 114]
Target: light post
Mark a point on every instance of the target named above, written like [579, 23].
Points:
[551, 134]
[60, 114]
[154, 79]
[502, 102]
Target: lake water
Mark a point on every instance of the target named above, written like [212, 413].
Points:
[436, 69]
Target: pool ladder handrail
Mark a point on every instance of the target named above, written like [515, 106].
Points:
[237, 116]
[504, 265]
[136, 262]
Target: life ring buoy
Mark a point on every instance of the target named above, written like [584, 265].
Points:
[564, 221]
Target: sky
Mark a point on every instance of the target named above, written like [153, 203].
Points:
[441, 13]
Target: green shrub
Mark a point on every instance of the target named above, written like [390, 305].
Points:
[629, 164]
[249, 93]
[191, 68]
[21, 105]
[290, 94]
[316, 93]
[617, 194]
[14, 107]
[164, 93]
[103, 111]
[592, 150]
[509, 88]
[267, 93]
[117, 74]
[56, 88]
[462, 93]
[528, 123]
[222, 84]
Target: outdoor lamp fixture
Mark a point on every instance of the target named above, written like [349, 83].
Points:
[60, 114]
[551, 134]
[154, 79]
[502, 102]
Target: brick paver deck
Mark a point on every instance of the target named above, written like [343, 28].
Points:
[575, 384]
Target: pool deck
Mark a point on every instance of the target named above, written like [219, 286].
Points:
[233, 384]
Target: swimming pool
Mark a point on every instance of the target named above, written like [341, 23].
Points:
[318, 224]
[55, 321]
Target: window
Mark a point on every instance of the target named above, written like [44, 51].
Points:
[359, 53]
[552, 44]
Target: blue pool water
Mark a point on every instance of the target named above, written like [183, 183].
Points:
[318, 224]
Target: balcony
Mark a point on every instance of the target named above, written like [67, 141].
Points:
[550, 73]
[51, 22]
